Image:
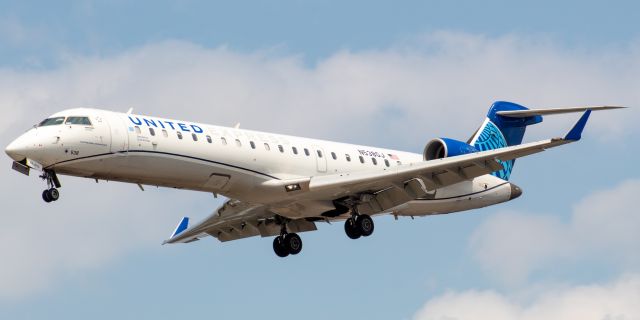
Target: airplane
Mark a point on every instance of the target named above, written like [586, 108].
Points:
[279, 185]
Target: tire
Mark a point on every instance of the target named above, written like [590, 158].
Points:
[351, 230]
[279, 247]
[293, 243]
[365, 225]
[54, 194]
[46, 196]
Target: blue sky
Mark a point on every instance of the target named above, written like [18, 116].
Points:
[384, 73]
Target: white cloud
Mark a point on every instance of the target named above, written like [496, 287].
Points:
[512, 245]
[88, 228]
[615, 300]
[410, 93]
[442, 85]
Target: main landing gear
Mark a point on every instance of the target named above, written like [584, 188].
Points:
[287, 243]
[359, 225]
[51, 193]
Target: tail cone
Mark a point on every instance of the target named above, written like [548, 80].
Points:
[515, 191]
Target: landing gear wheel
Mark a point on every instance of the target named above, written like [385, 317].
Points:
[351, 229]
[50, 194]
[279, 247]
[293, 243]
[364, 224]
[46, 196]
[54, 194]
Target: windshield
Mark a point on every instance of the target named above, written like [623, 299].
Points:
[51, 122]
[78, 120]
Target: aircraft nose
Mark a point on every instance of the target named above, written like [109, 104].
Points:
[515, 191]
[16, 150]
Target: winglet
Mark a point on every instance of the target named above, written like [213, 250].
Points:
[182, 226]
[576, 132]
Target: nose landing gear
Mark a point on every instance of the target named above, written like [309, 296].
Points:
[51, 193]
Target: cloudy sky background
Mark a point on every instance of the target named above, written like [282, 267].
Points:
[385, 74]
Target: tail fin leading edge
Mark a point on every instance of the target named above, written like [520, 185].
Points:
[499, 131]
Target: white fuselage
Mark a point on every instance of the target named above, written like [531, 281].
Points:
[239, 164]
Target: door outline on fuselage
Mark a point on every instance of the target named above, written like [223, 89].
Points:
[321, 162]
[119, 134]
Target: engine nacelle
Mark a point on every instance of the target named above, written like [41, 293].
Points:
[445, 147]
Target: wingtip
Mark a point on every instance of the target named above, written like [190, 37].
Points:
[613, 107]
[182, 226]
[576, 132]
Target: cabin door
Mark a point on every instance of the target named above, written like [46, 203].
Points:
[321, 159]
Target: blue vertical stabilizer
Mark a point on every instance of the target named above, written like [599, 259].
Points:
[499, 131]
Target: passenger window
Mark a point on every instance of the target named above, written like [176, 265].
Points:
[164, 133]
[51, 122]
[224, 141]
[179, 135]
[209, 139]
[399, 163]
[152, 132]
[295, 150]
[281, 148]
[348, 157]
[361, 159]
[333, 155]
[319, 153]
[238, 143]
[253, 145]
[375, 161]
[386, 162]
[194, 136]
[266, 147]
[78, 120]
[137, 130]
[306, 151]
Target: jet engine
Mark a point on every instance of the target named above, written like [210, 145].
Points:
[445, 147]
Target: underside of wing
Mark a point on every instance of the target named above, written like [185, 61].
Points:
[237, 220]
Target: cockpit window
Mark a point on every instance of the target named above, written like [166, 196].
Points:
[78, 120]
[51, 122]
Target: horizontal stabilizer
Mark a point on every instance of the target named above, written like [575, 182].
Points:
[542, 112]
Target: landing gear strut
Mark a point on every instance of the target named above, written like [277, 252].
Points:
[51, 193]
[287, 243]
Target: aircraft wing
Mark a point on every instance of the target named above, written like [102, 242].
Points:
[394, 186]
[435, 173]
[236, 220]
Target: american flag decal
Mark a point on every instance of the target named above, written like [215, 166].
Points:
[393, 157]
